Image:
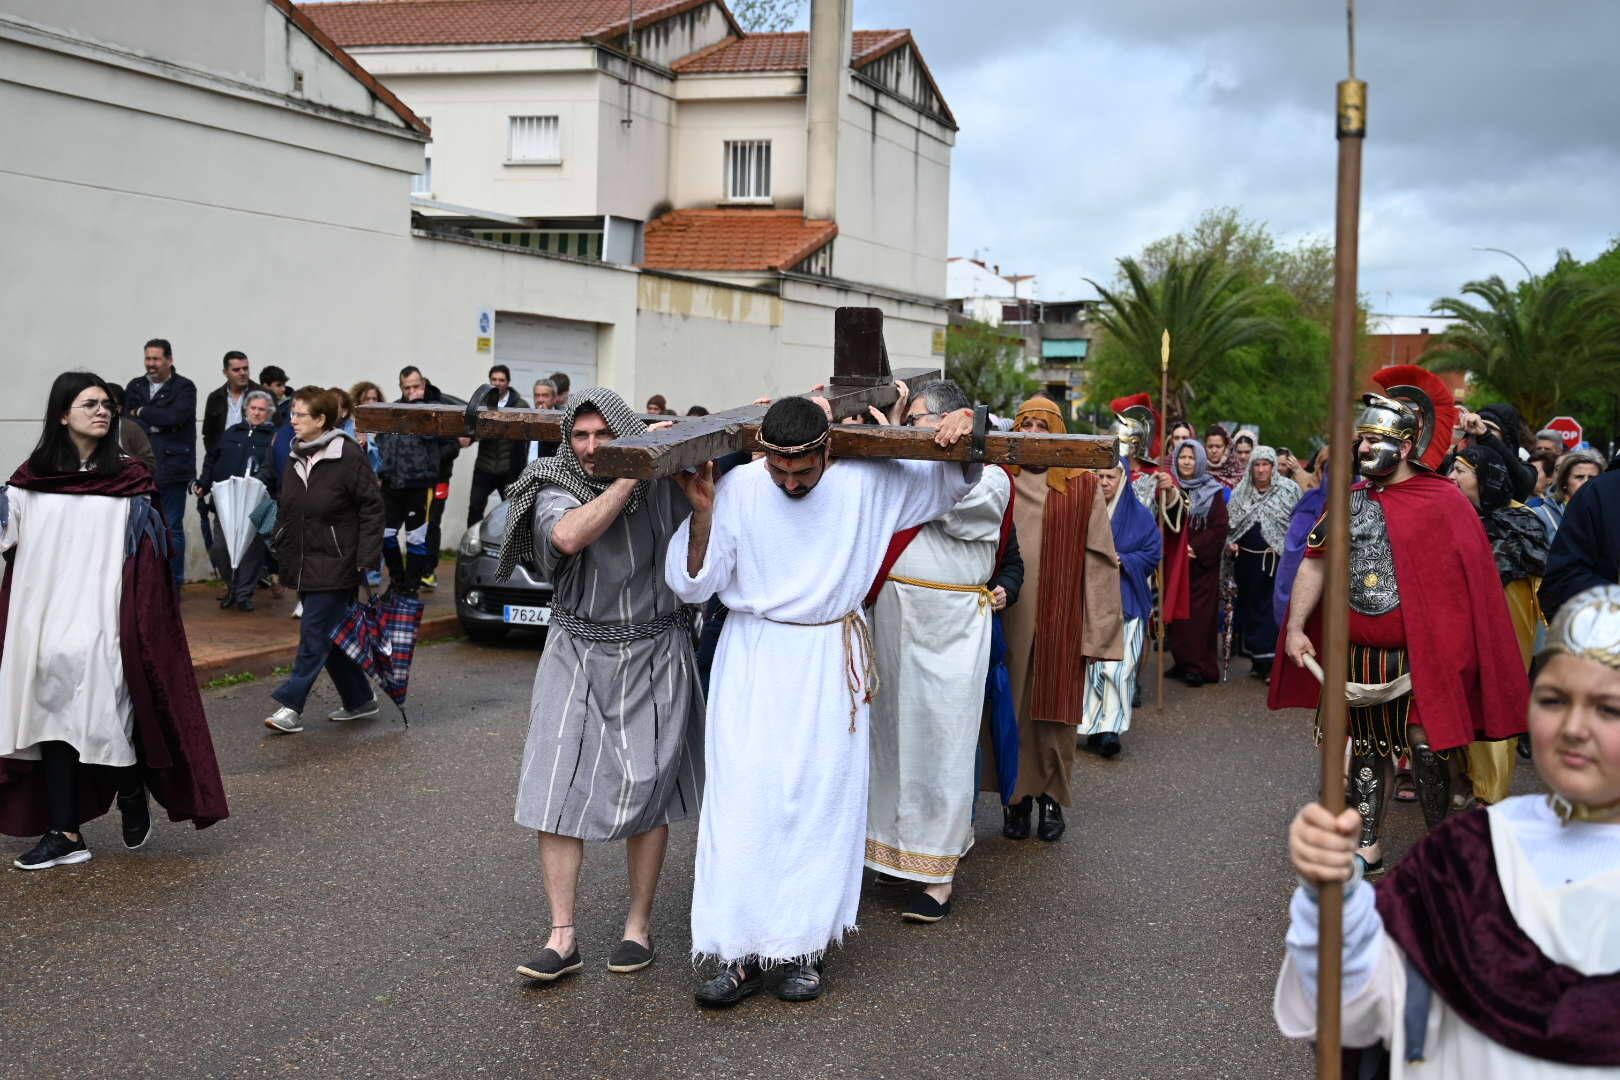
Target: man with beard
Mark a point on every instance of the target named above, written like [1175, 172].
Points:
[791, 543]
[612, 752]
[1433, 661]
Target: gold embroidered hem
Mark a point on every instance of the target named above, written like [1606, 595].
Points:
[912, 865]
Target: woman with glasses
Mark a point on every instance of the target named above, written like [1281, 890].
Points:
[97, 694]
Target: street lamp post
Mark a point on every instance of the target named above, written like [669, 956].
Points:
[1502, 251]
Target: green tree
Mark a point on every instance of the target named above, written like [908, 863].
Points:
[763, 16]
[989, 366]
[1549, 345]
[1210, 310]
[1304, 270]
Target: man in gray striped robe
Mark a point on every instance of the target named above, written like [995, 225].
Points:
[615, 723]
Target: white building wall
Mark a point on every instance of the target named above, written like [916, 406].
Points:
[705, 124]
[634, 158]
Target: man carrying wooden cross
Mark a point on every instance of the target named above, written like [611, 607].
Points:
[791, 544]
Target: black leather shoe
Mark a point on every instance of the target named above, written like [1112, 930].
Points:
[1110, 745]
[800, 982]
[226, 603]
[1052, 826]
[630, 956]
[1193, 679]
[735, 982]
[245, 605]
[549, 967]
[1092, 743]
[137, 817]
[1015, 819]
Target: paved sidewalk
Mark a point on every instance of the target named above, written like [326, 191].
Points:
[257, 642]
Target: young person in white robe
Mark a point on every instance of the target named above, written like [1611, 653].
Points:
[791, 544]
[1111, 684]
[1492, 950]
[931, 627]
[97, 693]
[614, 721]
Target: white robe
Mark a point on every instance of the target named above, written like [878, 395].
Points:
[62, 676]
[933, 650]
[1562, 885]
[783, 827]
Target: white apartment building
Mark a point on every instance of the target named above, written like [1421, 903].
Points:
[598, 127]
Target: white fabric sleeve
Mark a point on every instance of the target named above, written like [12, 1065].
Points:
[977, 517]
[923, 490]
[719, 561]
[1374, 979]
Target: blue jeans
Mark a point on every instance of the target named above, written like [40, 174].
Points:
[323, 613]
[173, 499]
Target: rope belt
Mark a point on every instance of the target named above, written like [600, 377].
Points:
[860, 662]
[986, 601]
[618, 633]
[1268, 559]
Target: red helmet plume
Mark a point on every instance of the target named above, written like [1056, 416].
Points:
[1431, 399]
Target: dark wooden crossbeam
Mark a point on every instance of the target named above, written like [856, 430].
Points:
[861, 380]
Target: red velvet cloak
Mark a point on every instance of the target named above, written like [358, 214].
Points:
[1467, 675]
[174, 751]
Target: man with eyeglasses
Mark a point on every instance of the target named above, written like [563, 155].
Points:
[164, 403]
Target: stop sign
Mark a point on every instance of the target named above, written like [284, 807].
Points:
[1569, 428]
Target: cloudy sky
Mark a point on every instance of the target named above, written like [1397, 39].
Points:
[1090, 127]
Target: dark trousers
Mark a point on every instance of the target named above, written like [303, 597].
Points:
[483, 486]
[60, 762]
[406, 513]
[172, 498]
[1253, 612]
[240, 584]
[323, 613]
[435, 539]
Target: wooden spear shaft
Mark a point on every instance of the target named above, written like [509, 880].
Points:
[1164, 501]
[1352, 98]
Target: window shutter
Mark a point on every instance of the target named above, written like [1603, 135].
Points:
[534, 138]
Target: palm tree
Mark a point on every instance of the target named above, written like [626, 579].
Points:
[1542, 346]
[1209, 308]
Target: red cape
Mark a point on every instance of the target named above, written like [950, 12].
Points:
[1468, 679]
[172, 744]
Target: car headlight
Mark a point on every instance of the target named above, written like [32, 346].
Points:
[472, 541]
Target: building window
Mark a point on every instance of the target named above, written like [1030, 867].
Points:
[748, 171]
[534, 138]
[422, 182]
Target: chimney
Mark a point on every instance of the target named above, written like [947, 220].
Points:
[830, 43]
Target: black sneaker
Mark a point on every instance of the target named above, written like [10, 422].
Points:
[549, 967]
[630, 956]
[137, 818]
[53, 849]
[925, 909]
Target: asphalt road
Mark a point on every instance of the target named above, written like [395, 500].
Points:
[361, 912]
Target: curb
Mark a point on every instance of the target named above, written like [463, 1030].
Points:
[264, 661]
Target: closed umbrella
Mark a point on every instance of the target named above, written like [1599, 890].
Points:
[1003, 714]
[235, 500]
[380, 636]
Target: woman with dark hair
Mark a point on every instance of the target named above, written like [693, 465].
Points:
[97, 694]
[1196, 520]
[1223, 464]
[329, 533]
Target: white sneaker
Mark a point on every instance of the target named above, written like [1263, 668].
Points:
[284, 721]
[298, 610]
[359, 712]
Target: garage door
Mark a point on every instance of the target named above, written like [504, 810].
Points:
[534, 346]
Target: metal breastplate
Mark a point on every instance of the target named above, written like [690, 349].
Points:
[1373, 590]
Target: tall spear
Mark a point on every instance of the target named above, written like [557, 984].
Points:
[1352, 129]
[1164, 503]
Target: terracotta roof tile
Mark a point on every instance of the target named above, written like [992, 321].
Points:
[324, 41]
[789, 51]
[735, 239]
[482, 22]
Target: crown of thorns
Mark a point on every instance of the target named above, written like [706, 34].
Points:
[794, 451]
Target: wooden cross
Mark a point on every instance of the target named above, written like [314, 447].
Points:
[861, 379]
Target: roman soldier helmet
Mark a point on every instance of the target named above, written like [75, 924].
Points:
[1416, 405]
[1137, 427]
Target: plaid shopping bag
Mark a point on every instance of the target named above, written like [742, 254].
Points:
[380, 635]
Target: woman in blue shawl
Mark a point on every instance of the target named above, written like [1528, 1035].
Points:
[1110, 684]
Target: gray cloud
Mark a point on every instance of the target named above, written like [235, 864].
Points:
[1089, 129]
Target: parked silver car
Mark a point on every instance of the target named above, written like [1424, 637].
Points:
[489, 609]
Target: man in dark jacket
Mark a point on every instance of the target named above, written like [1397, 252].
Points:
[413, 467]
[499, 460]
[1586, 551]
[243, 450]
[164, 403]
[223, 409]
[448, 450]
